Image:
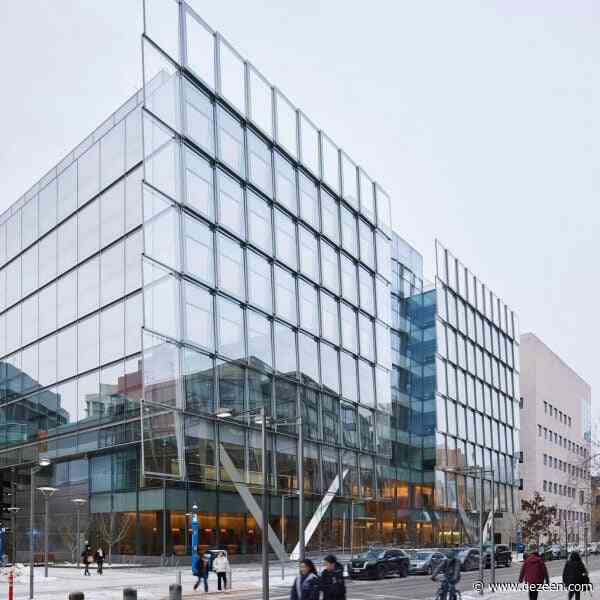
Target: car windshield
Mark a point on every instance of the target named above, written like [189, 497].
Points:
[424, 555]
[372, 555]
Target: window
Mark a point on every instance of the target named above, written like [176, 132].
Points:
[112, 327]
[367, 246]
[87, 343]
[349, 329]
[285, 295]
[285, 349]
[285, 239]
[67, 247]
[367, 300]
[350, 376]
[199, 117]
[349, 181]
[309, 254]
[349, 231]
[367, 196]
[308, 354]
[231, 204]
[29, 271]
[348, 272]
[259, 222]
[309, 201]
[231, 266]
[309, 307]
[67, 191]
[231, 329]
[199, 249]
[47, 258]
[330, 318]
[67, 298]
[259, 339]
[260, 288]
[112, 273]
[366, 337]
[198, 314]
[112, 154]
[199, 184]
[349, 425]
[330, 374]
[330, 216]
[88, 286]
[330, 267]
[231, 140]
[259, 163]
[88, 230]
[89, 174]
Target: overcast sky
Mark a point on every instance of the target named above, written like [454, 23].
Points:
[481, 119]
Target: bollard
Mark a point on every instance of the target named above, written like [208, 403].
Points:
[175, 591]
[129, 594]
[76, 596]
[10, 584]
[178, 580]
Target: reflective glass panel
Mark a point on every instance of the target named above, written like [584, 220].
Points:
[260, 287]
[231, 204]
[88, 286]
[331, 165]
[367, 196]
[199, 117]
[88, 230]
[367, 391]
[285, 295]
[112, 273]
[286, 124]
[88, 174]
[285, 239]
[47, 201]
[259, 222]
[261, 102]
[88, 343]
[330, 318]
[259, 340]
[367, 246]
[285, 183]
[47, 258]
[349, 284]
[309, 201]
[367, 294]
[47, 309]
[112, 213]
[349, 181]
[233, 76]
[112, 154]
[67, 298]
[349, 377]
[29, 269]
[308, 354]
[199, 249]
[309, 139]
[199, 316]
[366, 337]
[330, 217]
[112, 328]
[285, 349]
[309, 306]
[67, 245]
[200, 49]
[67, 191]
[231, 140]
[259, 163]
[330, 267]
[231, 329]
[231, 266]
[309, 254]
[349, 329]
[330, 374]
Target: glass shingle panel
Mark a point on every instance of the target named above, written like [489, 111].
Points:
[309, 141]
[231, 204]
[331, 165]
[199, 250]
[88, 346]
[67, 246]
[112, 154]
[349, 377]
[330, 267]
[133, 263]
[200, 49]
[349, 283]
[29, 312]
[349, 328]
[232, 76]
[47, 201]
[47, 309]
[112, 328]
[349, 181]
[29, 223]
[112, 213]
[199, 120]
[199, 316]
[260, 231]
[161, 300]
[161, 228]
[88, 174]
[198, 371]
[367, 246]
[231, 140]
[47, 258]
[330, 318]
[199, 184]
[285, 349]
[67, 191]
[309, 254]
[13, 279]
[230, 329]
[29, 270]
[309, 306]
[259, 164]
[367, 299]
[231, 266]
[367, 391]
[261, 101]
[330, 373]
[309, 201]
[260, 287]
[286, 124]
[330, 220]
[88, 230]
[366, 337]
[285, 295]
[285, 184]
[349, 238]
[367, 196]
[67, 298]
[133, 134]
[308, 354]
[133, 199]
[285, 239]
[259, 340]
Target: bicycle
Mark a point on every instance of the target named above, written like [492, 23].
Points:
[447, 591]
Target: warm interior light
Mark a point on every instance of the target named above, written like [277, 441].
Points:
[224, 414]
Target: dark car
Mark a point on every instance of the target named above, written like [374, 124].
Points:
[425, 561]
[469, 559]
[379, 563]
[502, 554]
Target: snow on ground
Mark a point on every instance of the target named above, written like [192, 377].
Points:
[151, 583]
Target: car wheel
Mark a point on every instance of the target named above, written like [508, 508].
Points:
[380, 573]
[429, 571]
[404, 570]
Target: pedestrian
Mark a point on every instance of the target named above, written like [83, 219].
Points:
[221, 566]
[575, 574]
[99, 559]
[306, 584]
[86, 558]
[534, 571]
[332, 579]
[200, 569]
[450, 568]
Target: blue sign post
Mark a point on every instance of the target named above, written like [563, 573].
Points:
[195, 530]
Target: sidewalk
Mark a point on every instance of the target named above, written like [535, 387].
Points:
[151, 583]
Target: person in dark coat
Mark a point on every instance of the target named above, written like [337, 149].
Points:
[200, 569]
[306, 585]
[86, 558]
[450, 569]
[534, 571]
[575, 573]
[99, 560]
[332, 579]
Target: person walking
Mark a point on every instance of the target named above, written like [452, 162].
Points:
[200, 569]
[86, 558]
[221, 566]
[575, 574]
[306, 584]
[332, 582]
[99, 560]
[534, 571]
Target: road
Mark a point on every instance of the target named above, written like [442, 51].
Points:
[414, 587]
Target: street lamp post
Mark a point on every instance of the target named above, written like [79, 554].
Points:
[79, 502]
[47, 492]
[13, 523]
[44, 462]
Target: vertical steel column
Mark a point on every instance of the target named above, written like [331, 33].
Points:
[78, 534]
[265, 506]
[351, 529]
[46, 502]
[31, 526]
[283, 534]
[493, 533]
[481, 532]
[301, 540]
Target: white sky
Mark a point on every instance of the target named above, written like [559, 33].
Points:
[481, 119]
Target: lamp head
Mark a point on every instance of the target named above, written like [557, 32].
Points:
[224, 413]
[47, 490]
[44, 462]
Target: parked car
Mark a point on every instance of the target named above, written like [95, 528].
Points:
[379, 563]
[558, 552]
[469, 559]
[425, 561]
[503, 556]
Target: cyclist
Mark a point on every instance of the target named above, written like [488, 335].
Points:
[450, 569]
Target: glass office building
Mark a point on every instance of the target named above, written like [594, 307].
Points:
[209, 249]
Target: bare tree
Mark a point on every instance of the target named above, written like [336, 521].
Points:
[537, 518]
[68, 534]
[113, 529]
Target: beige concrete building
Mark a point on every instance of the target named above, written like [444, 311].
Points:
[555, 438]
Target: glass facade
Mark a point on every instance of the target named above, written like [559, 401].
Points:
[232, 257]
